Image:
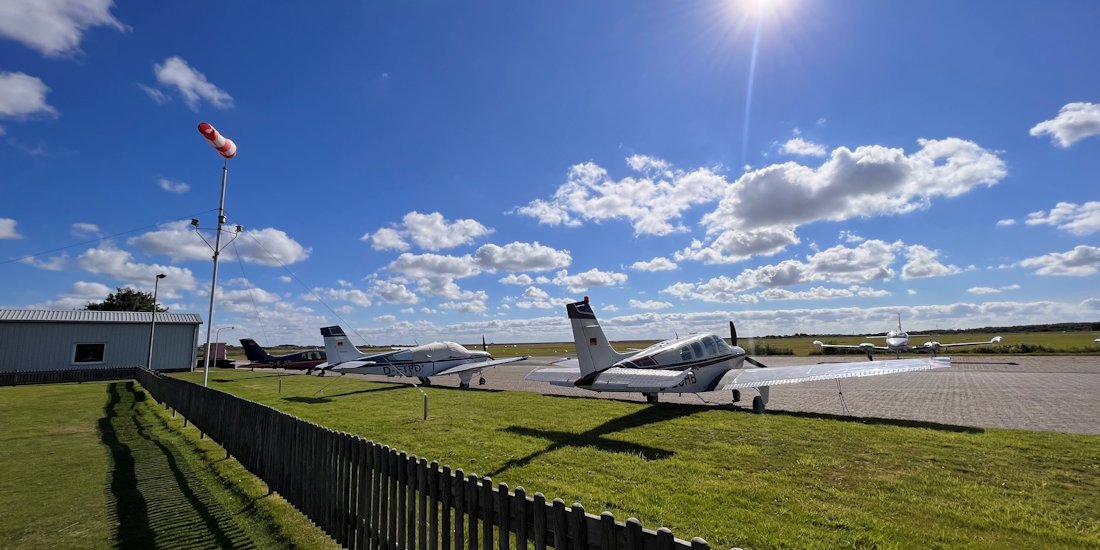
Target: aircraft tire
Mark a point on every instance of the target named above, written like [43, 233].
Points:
[425, 381]
[736, 396]
[758, 405]
[481, 381]
[464, 385]
[650, 397]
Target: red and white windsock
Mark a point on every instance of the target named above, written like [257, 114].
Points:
[224, 145]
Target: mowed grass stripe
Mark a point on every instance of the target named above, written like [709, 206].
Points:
[736, 479]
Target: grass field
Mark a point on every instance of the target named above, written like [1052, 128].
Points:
[1013, 344]
[95, 465]
[736, 479]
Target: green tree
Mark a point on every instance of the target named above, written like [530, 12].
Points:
[125, 299]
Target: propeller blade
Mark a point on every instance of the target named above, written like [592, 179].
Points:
[733, 335]
[484, 346]
[752, 361]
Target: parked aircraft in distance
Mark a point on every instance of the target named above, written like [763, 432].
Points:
[693, 364]
[897, 342]
[308, 359]
[422, 362]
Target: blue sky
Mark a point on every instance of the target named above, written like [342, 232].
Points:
[445, 170]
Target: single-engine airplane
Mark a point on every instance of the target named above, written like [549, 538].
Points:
[692, 364]
[307, 360]
[422, 362]
[897, 342]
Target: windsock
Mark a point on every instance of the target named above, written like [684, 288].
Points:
[224, 145]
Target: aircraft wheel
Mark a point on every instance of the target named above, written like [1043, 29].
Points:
[736, 396]
[321, 374]
[464, 385]
[481, 381]
[650, 397]
[424, 381]
[758, 405]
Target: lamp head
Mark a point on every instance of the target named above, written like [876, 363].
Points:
[161, 275]
[195, 222]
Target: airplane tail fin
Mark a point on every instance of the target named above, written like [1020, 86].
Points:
[594, 352]
[254, 352]
[338, 349]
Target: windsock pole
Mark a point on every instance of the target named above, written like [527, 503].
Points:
[227, 149]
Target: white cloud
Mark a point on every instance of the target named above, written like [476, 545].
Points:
[54, 27]
[432, 265]
[537, 298]
[799, 146]
[108, 260]
[385, 319]
[850, 237]
[656, 264]
[77, 297]
[1007, 222]
[285, 278]
[7, 229]
[158, 97]
[1075, 121]
[56, 263]
[1080, 262]
[268, 246]
[817, 293]
[394, 293]
[911, 292]
[588, 279]
[350, 295]
[649, 305]
[386, 239]
[83, 229]
[516, 279]
[519, 256]
[191, 84]
[535, 293]
[924, 262]
[992, 290]
[429, 232]
[1079, 219]
[469, 302]
[736, 245]
[173, 187]
[653, 202]
[22, 95]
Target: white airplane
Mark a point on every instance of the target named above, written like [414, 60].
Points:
[693, 364]
[897, 342]
[421, 362]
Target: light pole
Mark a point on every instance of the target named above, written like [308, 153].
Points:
[218, 333]
[153, 321]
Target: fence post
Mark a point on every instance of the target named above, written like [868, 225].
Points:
[458, 485]
[538, 507]
[502, 503]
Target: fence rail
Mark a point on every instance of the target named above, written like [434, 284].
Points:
[370, 496]
[61, 376]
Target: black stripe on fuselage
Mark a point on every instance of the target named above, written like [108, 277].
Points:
[588, 379]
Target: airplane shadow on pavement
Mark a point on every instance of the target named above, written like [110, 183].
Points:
[595, 437]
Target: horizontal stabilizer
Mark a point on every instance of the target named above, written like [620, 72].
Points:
[558, 376]
[640, 380]
[754, 378]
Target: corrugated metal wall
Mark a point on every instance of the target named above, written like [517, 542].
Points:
[42, 346]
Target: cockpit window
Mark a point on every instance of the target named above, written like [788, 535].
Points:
[685, 354]
[708, 342]
[698, 348]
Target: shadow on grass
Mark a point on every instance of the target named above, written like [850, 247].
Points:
[313, 400]
[129, 511]
[595, 436]
[875, 421]
[953, 363]
[247, 378]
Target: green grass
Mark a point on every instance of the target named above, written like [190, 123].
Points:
[735, 479]
[95, 465]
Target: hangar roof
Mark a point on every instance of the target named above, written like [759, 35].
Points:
[82, 316]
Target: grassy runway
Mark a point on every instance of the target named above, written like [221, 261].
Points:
[736, 479]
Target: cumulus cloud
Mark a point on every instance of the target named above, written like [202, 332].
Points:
[1007, 222]
[1079, 219]
[22, 95]
[1082, 261]
[393, 293]
[656, 264]
[84, 229]
[56, 263]
[7, 229]
[924, 262]
[516, 279]
[649, 305]
[78, 296]
[520, 256]
[54, 27]
[653, 201]
[992, 290]
[429, 232]
[174, 72]
[170, 186]
[420, 266]
[177, 240]
[468, 302]
[1075, 121]
[799, 146]
[350, 295]
[120, 264]
[589, 279]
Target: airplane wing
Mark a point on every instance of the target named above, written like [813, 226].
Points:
[483, 364]
[753, 378]
[570, 362]
[558, 376]
[613, 379]
[994, 340]
[863, 347]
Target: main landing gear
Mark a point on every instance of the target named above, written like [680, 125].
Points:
[424, 380]
[736, 396]
[464, 385]
[758, 405]
[650, 397]
[481, 381]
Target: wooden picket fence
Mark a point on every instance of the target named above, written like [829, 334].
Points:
[370, 496]
[63, 376]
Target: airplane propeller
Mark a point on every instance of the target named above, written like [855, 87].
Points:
[484, 346]
[733, 342]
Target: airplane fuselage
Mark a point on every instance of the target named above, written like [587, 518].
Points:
[707, 356]
[414, 369]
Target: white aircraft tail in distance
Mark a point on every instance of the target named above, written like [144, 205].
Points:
[421, 362]
[897, 342]
[693, 364]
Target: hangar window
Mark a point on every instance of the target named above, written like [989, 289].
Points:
[89, 353]
[685, 354]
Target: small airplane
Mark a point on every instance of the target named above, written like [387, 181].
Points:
[421, 362]
[897, 342]
[308, 359]
[692, 364]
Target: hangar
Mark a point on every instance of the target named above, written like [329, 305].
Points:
[42, 340]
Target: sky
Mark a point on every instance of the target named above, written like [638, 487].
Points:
[429, 170]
